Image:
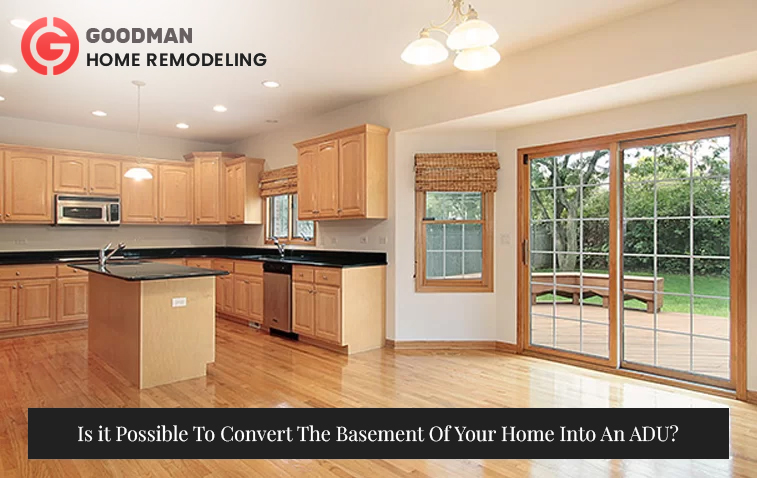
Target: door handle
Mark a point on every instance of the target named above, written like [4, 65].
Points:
[526, 252]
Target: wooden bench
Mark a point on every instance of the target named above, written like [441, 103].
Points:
[596, 285]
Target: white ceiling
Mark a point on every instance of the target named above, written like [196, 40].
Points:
[325, 53]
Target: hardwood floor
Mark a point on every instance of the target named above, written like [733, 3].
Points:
[256, 370]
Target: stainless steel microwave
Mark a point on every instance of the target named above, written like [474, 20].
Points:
[87, 211]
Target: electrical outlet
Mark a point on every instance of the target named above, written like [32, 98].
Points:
[363, 239]
[504, 239]
[382, 240]
[179, 302]
[333, 241]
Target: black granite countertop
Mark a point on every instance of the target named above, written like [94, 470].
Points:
[145, 270]
[319, 258]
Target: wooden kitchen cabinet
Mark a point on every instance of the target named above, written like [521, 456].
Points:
[36, 302]
[226, 285]
[303, 308]
[105, 177]
[209, 188]
[28, 187]
[199, 262]
[8, 304]
[2, 186]
[70, 175]
[139, 199]
[344, 175]
[248, 297]
[345, 308]
[175, 185]
[73, 300]
[243, 202]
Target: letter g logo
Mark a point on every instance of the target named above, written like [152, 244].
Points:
[50, 46]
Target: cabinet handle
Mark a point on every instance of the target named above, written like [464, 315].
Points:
[324, 277]
[339, 210]
[18, 273]
[20, 287]
[7, 214]
[13, 287]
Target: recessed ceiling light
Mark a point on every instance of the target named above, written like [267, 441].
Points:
[271, 84]
[272, 121]
[182, 125]
[19, 23]
[2, 98]
[99, 113]
[219, 109]
[7, 68]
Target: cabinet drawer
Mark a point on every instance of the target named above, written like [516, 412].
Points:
[249, 268]
[27, 272]
[223, 265]
[328, 276]
[65, 271]
[201, 263]
[302, 274]
[175, 262]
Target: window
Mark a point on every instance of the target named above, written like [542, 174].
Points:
[454, 241]
[283, 223]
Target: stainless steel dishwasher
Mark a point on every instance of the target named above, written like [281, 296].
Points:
[277, 296]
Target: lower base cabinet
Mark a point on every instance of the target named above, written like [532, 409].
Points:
[239, 295]
[341, 307]
[73, 300]
[36, 302]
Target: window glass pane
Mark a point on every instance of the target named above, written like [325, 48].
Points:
[453, 236]
[279, 220]
[454, 251]
[453, 205]
[301, 228]
[435, 265]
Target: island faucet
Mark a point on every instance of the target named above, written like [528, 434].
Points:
[105, 255]
[279, 245]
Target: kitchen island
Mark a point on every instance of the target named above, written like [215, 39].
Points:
[154, 323]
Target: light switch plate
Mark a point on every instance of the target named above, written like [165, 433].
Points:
[179, 302]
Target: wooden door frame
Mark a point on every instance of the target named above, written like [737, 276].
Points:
[738, 337]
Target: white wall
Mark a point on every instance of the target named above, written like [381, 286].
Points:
[706, 105]
[35, 133]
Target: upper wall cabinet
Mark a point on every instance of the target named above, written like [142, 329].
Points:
[209, 191]
[74, 175]
[28, 187]
[139, 198]
[343, 175]
[243, 202]
[175, 191]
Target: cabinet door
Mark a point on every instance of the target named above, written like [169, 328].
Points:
[207, 191]
[71, 175]
[175, 194]
[140, 197]
[327, 167]
[8, 305]
[220, 294]
[28, 187]
[352, 178]
[303, 308]
[72, 299]
[328, 315]
[233, 194]
[105, 177]
[306, 183]
[256, 298]
[242, 296]
[2, 187]
[228, 295]
[36, 302]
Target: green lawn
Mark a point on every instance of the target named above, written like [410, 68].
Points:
[703, 285]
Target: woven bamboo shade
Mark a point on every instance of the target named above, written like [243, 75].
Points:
[278, 181]
[456, 172]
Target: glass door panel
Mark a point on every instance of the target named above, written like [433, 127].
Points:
[676, 259]
[569, 253]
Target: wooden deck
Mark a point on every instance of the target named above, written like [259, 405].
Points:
[255, 370]
[711, 357]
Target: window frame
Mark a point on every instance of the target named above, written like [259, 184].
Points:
[290, 223]
[483, 284]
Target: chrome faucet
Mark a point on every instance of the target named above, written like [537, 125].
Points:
[105, 255]
[279, 245]
[305, 237]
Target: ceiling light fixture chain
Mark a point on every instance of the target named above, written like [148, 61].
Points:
[471, 40]
[138, 172]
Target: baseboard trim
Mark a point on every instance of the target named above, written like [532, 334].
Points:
[503, 347]
[341, 349]
[751, 397]
[43, 330]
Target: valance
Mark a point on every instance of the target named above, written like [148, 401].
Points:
[456, 172]
[278, 181]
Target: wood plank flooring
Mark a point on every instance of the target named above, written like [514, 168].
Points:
[253, 369]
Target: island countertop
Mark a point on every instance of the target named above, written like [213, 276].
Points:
[144, 271]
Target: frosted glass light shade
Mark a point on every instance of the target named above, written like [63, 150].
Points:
[425, 51]
[475, 59]
[472, 34]
[138, 174]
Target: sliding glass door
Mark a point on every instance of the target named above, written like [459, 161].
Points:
[634, 252]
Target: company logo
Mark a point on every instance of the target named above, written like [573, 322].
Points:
[50, 46]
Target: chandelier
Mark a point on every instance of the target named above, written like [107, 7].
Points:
[471, 39]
